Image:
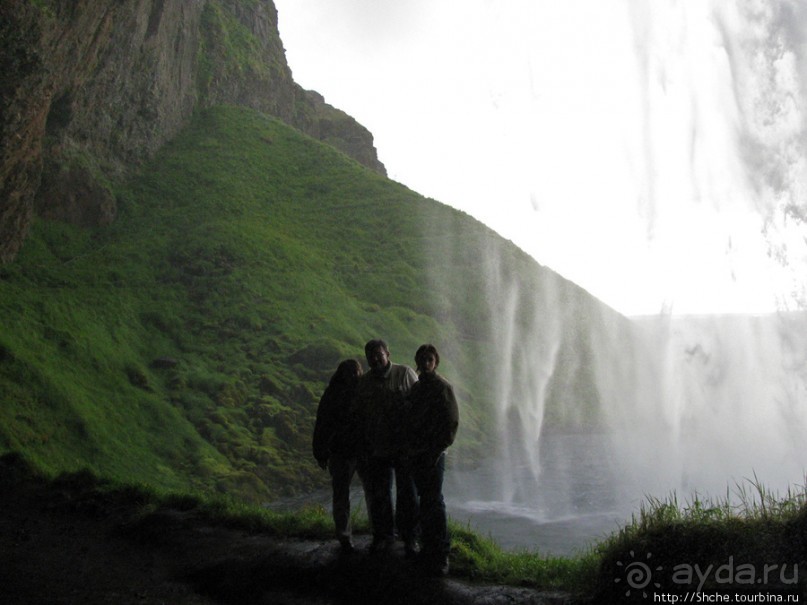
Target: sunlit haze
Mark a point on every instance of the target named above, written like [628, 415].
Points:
[653, 152]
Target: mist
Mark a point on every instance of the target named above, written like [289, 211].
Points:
[692, 149]
[655, 154]
[651, 152]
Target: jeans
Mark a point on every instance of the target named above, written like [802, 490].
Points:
[342, 471]
[427, 473]
[404, 517]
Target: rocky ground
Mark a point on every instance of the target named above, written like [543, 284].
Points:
[64, 543]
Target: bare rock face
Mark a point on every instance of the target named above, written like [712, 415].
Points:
[24, 97]
[92, 88]
[74, 195]
[122, 73]
[338, 129]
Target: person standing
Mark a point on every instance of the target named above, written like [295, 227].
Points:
[380, 400]
[336, 444]
[432, 421]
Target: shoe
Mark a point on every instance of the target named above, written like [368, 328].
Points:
[346, 544]
[411, 549]
[434, 565]
[440, 567]
[381, 545]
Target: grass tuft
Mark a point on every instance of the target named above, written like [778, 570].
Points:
[751, 526]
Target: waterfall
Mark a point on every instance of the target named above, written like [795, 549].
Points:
[596, 412]
[727, 403]
[715, 150]
[724, 158]
[528, 344]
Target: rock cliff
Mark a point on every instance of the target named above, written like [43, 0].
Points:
[92, 88]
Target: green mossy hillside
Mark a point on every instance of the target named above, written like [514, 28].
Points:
[187, 344]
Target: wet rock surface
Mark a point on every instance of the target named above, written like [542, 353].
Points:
[70, 543]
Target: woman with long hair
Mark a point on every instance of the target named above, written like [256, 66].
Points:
[337, 444]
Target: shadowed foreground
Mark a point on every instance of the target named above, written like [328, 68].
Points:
[68, 542]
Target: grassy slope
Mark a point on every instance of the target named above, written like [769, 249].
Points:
[257, 258]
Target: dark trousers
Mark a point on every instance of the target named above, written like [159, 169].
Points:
[382, 516]
[427, 473]
[342, 470]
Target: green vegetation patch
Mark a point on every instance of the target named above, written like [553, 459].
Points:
[748, 543]
[187, 344]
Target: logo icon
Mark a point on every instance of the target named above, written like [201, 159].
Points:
[638, 574]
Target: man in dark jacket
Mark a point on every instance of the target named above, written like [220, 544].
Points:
[432, 418]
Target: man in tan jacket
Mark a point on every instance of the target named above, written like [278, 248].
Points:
[380, 400]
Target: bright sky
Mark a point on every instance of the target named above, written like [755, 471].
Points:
[643, 149]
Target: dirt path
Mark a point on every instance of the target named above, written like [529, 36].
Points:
[67, 543]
